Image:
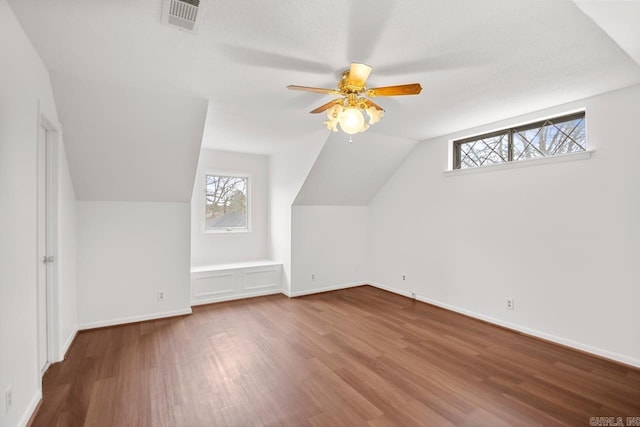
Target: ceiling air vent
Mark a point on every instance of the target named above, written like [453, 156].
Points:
[181, 13]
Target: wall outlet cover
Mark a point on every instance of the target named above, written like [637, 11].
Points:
[510, 304]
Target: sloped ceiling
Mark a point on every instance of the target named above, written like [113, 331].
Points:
[478, 62]
[350, 174]
[128, 144]
[619, 19]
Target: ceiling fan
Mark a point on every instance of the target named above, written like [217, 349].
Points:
[347, 109]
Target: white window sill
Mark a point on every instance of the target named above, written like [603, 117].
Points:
[232, 231]
[235, 265]
[583, 155]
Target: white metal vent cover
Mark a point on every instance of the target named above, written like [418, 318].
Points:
[183, 14]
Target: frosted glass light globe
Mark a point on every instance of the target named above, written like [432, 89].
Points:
[351, 121]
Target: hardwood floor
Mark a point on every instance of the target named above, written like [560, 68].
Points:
[358, 356]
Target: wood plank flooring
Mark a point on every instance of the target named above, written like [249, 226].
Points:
[353, 357]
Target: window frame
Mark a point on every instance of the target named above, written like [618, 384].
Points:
[203, 210]
[510, 131]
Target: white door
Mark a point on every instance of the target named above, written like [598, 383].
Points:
[43, 257]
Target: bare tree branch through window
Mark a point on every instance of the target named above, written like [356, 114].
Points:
[552, 137]
[226, 202]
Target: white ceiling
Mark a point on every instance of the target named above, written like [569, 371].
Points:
[478, 62]
[129, 144]
[619, 19]
[350, 174]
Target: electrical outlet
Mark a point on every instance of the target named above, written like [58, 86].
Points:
[8, 399]
[404, 277]
[313, 276]
[510, 303]
[162, 295]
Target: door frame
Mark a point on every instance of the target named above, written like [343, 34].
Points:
[51, 144]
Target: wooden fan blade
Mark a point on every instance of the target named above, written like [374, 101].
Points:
[409, 89]
[326, 106]
[314, 89]
[358, 74]
[370, 103]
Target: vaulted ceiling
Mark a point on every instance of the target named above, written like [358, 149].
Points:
[478, 62]
[350, 174]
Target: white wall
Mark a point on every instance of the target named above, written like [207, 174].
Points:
[127, 252]
[24, 92]
[230, 247]
[67, 289]
[328, 242]
[562, 239]
[287, 171]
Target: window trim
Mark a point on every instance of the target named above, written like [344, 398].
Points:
[203, 201]
[559, 158]
[509, 132]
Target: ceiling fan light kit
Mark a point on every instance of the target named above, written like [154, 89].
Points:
[348, 110]
[351, 118]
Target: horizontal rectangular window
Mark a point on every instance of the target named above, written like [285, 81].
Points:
[551, 137]
[226, 203]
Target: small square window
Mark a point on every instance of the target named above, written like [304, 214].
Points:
[227, 203]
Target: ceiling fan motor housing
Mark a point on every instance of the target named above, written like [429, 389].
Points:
[347, 86]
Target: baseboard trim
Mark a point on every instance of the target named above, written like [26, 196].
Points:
[67, 345]
[31, 410]
[390, 289]
[133, 319]
[214, 300]
[325, 289]
[594, 351]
